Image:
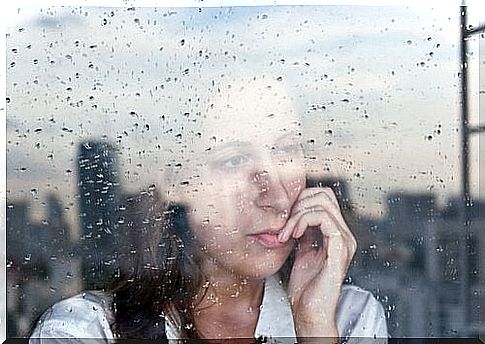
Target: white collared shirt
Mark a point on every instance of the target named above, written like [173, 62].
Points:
[360, 317]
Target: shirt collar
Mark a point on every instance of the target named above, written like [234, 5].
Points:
[275, 316]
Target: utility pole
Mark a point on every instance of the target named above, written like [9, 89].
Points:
[466, 131]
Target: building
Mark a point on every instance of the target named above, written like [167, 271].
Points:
[99, 190]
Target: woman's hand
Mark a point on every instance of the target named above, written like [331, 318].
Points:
[325, 248]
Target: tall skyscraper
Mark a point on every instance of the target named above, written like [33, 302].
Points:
[99, 191]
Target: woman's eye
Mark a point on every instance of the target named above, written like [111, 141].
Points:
[235, 161]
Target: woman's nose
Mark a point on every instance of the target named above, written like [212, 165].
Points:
[272, 194]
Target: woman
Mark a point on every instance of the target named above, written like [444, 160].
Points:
[246, 249]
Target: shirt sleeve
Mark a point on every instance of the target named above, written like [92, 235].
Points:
[360, 317]
[75, 320]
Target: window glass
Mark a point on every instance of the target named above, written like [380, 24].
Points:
[112, 111]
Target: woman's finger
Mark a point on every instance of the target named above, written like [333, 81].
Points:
[315, 218]
[321, 196]
[338, 247]
[313, 191]
[309, 198]
[318, 217]
[328, 227]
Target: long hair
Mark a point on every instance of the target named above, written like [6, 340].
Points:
[159, 274]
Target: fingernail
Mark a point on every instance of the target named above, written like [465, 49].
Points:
[281, 235]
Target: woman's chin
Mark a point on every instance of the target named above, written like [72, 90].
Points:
[265, 270]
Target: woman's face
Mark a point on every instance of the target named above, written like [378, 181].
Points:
[244, 177]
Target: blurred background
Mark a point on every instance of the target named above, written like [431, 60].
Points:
[91, 92]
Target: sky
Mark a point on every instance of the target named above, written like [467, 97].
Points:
[386, 75]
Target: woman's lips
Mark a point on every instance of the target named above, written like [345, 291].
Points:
[269, 239]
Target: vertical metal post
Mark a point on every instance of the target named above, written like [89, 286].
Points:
[465, 136]
[468, 300]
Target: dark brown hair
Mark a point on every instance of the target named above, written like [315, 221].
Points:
[158, 274]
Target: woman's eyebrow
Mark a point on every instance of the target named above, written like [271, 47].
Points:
[293, 134]
[231, 144]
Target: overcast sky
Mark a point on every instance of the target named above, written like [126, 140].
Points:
[387, 76]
